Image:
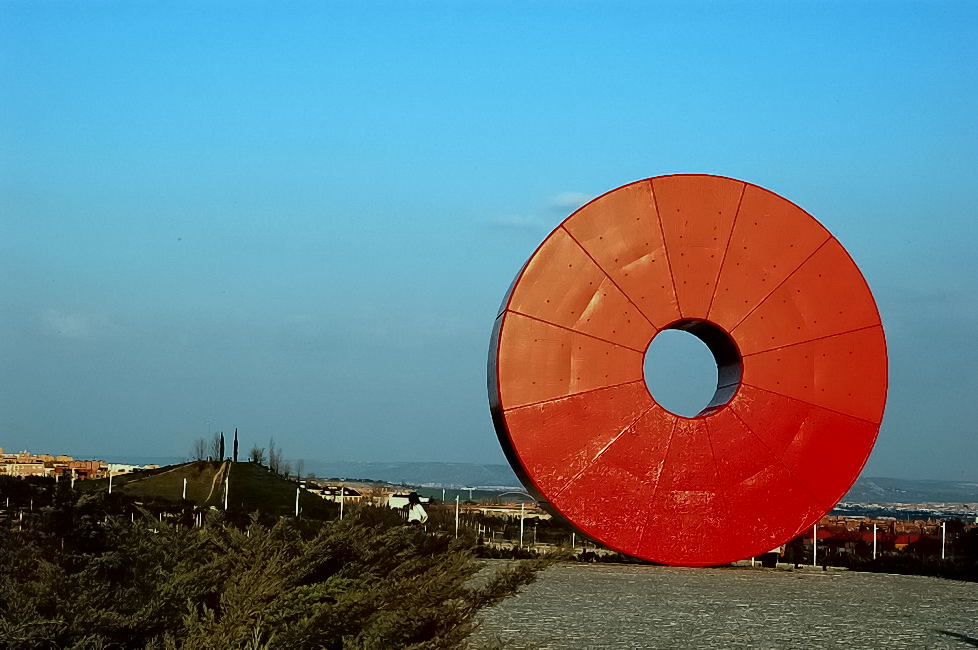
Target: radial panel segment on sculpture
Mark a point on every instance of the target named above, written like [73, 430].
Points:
[800, 354]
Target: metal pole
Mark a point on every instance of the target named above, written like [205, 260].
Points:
[874, 541]
[227, 485]
[522, 513]
[456, 516]
[573, 540]
[942, 538]
[815, 545]
[184, 488]
[342, 500]
[110, 481]
[297, 502]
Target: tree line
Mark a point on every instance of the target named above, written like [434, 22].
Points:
[272, 457]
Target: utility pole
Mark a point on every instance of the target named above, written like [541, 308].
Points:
[110, 481]
[227, 485]
[943, 535]
[342, 499]
[184, 488]
[522, 514]
[815, 545]
[297, 501]
[456, 516]
[874, 541]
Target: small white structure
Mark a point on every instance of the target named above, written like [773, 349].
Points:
[124, 468]
[398, 501]
[415, 512]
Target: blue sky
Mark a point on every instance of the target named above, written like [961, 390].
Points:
[299, 220]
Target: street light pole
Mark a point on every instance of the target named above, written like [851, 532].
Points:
[456, 516]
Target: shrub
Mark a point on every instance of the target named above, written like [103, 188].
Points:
[364, 582]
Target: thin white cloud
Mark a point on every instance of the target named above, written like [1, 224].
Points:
[570, 200]
[564, 202]
[516, 222]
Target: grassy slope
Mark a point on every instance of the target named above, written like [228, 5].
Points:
[252, 487]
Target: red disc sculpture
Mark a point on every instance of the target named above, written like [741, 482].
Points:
[799, 348]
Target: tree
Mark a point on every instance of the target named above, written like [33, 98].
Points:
[274, 457]
[199, 449]
[215, 450]
[299, 466]
[257, 455]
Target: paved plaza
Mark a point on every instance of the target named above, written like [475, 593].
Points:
[626, 606]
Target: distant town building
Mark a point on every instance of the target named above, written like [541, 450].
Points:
[508, 510]
[409, 503]
[25, 464]
[333, 492]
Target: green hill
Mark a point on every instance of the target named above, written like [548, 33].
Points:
[251, 487]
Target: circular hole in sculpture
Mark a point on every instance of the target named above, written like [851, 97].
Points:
[692, 367]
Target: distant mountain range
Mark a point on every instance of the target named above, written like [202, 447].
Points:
[898, 490]
[434, 474]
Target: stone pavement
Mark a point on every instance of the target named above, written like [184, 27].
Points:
[627, 606]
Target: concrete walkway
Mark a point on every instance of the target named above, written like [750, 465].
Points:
[624, 606]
